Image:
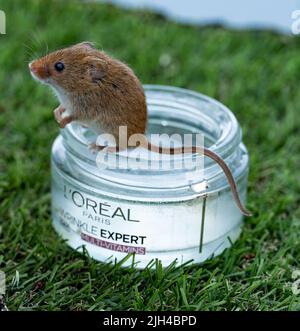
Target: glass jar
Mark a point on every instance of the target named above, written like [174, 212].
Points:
[158, 213]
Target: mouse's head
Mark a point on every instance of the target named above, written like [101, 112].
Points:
[71, 69]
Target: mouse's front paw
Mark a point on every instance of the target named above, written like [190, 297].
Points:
[66, 120]
[58, 113]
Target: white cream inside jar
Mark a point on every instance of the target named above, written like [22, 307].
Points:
[158, 213]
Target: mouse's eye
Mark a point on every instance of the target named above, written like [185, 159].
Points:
[59, 66]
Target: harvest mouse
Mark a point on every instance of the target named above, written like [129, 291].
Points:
[104, 94]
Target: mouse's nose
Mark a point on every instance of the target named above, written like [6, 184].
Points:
[32, 67]
[39, 70]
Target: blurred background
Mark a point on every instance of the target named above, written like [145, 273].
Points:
[251, 64]
[230, 13]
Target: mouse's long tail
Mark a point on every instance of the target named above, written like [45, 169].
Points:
[230, 179]
[214, 157]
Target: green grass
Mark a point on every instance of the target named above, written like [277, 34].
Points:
[255, 73]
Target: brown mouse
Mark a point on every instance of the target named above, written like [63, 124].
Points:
[103, 93]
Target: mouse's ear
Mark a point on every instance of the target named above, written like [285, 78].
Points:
[87, 44]
[97, 68]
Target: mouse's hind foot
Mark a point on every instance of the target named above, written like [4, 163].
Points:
[94, 148]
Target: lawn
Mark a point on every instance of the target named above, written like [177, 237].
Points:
[255, 73]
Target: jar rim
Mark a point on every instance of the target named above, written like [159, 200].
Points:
[196, 110]
[231, 132]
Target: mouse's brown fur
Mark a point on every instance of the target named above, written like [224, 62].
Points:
[104, 93]
[97, 89]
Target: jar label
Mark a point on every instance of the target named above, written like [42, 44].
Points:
[93, 219]
[138, 227]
